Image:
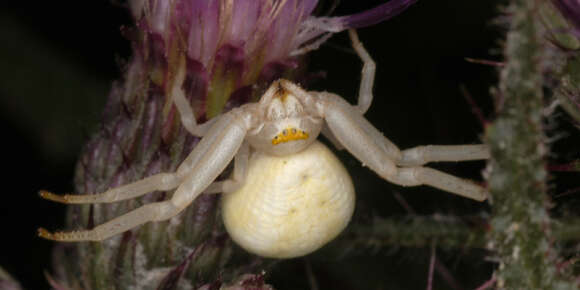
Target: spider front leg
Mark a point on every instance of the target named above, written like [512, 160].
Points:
[365, 93]
[161, 181]
[197, 172]
[434, 153]
[188, 119]
[369, 145]
[239, 176]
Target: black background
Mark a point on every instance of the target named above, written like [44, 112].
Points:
[59, 58]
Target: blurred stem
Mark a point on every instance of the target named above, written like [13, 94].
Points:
[421, 231]
[521, 231]
[417, 231]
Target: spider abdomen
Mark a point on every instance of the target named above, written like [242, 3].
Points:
[290, 206]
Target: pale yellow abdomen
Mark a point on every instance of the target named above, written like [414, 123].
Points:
[290, 205]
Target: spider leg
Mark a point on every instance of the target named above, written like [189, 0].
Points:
[161, 181]
[351, 130]
[434, 153]
[414, 176]
[365, 94]
[143, 214]
[188, 119]
[325, 131]
[239, 175]
[210, 160]
[369, 146]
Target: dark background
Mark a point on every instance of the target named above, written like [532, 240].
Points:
[59, 58]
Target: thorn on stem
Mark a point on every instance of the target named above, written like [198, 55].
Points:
[567, 167]
[485, 62]
[431, 267]
[474, 107]
[488, 284]
[568, 192]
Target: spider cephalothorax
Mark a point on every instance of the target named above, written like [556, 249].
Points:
[288, 195]
[289, 121]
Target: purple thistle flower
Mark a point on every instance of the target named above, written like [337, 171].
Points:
[242, 43]
[232, 50]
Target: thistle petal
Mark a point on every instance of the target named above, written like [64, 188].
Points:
[376, 15]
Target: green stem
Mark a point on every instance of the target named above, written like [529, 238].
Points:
[420, 231]
[521, 231]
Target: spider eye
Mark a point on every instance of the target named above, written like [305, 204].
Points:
[294, 131]
[284, 132]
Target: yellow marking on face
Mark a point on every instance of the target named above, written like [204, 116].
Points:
[289, 134]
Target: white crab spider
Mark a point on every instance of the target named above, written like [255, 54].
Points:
[288, 195]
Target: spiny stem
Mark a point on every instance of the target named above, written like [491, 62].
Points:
[521, 232]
